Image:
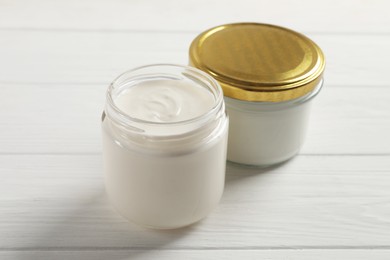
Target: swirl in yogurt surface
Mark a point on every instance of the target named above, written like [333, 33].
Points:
[165, 101]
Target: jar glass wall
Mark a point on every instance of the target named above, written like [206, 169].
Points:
[267, 133]
[165, 173]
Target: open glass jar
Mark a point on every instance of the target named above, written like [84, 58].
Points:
[269, 75]
[164, 145]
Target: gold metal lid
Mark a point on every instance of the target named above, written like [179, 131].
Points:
[259, 62]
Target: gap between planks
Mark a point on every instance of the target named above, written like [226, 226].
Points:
[26, 83]
[297, 247]
[91, 30]
[99, 153]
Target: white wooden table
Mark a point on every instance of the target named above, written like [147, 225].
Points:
[56, 61]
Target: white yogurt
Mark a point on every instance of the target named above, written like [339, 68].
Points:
[164, 145]
[165, 100]
[263, 134]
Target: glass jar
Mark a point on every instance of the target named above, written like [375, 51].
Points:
[269, 75]
[163, 171]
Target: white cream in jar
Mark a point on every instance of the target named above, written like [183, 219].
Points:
[164, 145]
[274, 132]
[269, 75]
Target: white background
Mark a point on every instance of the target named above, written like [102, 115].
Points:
[56, 61]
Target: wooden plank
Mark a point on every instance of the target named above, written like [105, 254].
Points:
[58, 202]
[66, 119]
[324, 16]
[98, 57]
[292, 254]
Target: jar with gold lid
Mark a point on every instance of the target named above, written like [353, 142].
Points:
[269, 75]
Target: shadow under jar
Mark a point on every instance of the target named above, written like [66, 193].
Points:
[164, 145]
[269, 75]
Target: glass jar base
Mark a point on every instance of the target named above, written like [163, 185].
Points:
[152, 227]
[264, 165]
[158, 227]
[162, 226]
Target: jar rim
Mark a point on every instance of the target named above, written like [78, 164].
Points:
[272, 106]
[124, 119]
